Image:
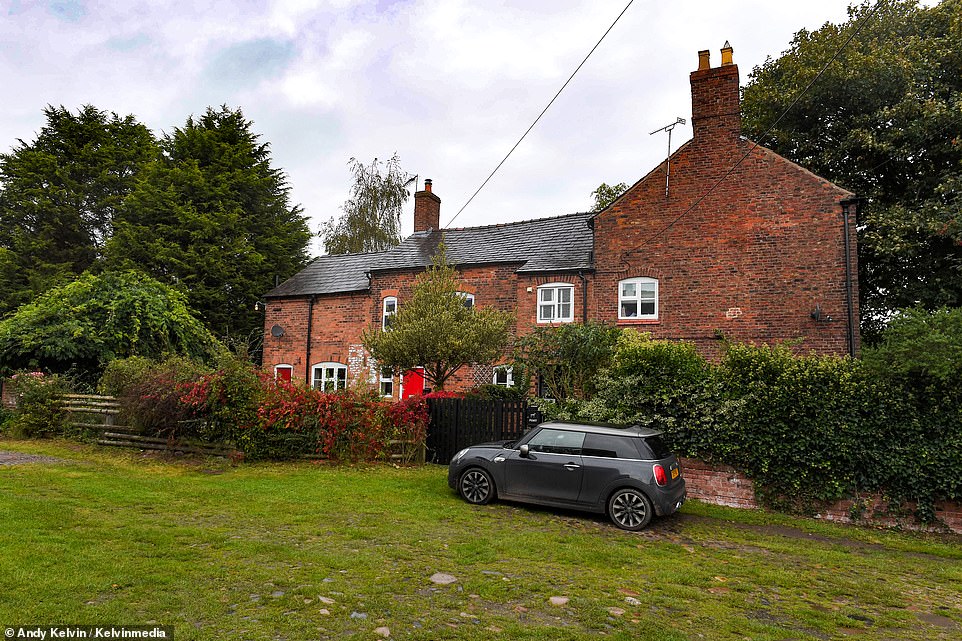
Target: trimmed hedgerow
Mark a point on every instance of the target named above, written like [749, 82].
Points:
[807, 429]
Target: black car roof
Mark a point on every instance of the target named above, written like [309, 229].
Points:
[604, 428]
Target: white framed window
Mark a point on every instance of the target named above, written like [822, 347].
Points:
[387, 382]
[467, 298]
[329, 377]
[284, 372]
[503, 376]
[555, 303]
[388, 310]
[638, 299]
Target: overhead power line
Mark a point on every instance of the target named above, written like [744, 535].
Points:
[528, 130]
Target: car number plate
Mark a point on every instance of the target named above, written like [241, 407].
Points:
[674, 473]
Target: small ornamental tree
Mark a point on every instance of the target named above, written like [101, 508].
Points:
[436, 330]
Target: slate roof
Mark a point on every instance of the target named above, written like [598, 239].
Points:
[328, 275]
[562, 243]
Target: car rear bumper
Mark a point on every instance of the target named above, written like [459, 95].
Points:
[671, 499]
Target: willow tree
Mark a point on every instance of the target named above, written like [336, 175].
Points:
[371, 220]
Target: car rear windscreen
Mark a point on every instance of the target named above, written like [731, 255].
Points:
[657, 447]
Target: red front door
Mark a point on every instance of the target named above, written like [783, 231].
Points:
[412, 383]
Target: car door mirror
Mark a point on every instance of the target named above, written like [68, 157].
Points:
[524, 451]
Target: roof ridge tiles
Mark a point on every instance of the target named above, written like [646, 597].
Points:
[516, 222]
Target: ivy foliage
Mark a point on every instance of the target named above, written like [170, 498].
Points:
[807, 429]
[97, 318]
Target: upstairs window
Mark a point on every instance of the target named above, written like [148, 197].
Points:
[388, 310]
[638, 299]
[555, 303]
[467, 298]
[329, 377]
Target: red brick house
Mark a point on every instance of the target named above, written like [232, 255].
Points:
[734, 242]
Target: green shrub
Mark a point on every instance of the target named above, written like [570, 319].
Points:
[39, 412]
[568, 357]
[659, 384]
[922, 345]
[120, 374]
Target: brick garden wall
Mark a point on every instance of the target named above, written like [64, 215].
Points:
[723, 485]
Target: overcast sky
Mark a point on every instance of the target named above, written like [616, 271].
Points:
[449, 85]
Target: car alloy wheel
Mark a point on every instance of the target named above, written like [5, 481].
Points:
[630, 509]
[476, 486]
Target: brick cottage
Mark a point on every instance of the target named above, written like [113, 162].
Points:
[734, 242]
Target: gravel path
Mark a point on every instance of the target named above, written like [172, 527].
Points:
[16, 458]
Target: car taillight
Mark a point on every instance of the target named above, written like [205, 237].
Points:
[661, 478]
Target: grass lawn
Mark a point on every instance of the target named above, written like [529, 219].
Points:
[312, 551]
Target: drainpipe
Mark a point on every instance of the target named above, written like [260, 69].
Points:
[307, 357]
[849, 301]
[584, 297]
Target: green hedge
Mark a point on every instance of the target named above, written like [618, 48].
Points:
[807, 429]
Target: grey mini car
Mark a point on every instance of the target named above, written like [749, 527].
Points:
[627, 472]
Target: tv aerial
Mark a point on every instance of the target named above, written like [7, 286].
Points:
[668, 128]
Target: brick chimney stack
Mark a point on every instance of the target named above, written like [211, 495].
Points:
[427, 209]
[715, 103]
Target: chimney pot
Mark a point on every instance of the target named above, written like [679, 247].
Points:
[715, 104]
[704, 60]
[726, 54]
[427, 184]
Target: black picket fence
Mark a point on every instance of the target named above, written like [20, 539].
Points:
[459, 422]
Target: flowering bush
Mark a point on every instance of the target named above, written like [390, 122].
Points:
[269, 418]
[444, 394]
[150, 393]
